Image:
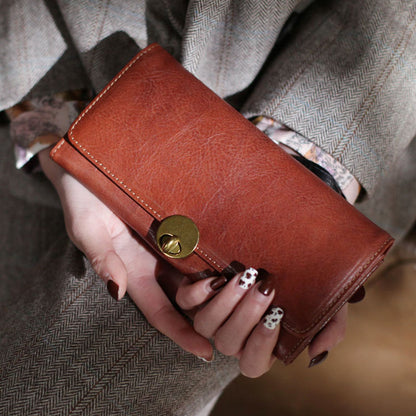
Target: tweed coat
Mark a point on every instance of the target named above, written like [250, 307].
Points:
[344, 77]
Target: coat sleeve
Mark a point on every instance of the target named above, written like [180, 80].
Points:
[346, 80]
[35, 59]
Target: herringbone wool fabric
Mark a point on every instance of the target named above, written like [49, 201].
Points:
[66, 347]
[347, 82]
[344, 78]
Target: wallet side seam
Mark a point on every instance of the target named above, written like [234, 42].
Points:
[350, 283]
[305, 340]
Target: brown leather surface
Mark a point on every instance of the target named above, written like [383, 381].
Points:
[157, 142]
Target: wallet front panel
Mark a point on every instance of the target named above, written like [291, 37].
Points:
[171, 146]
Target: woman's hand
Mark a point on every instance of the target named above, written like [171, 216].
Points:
[243, 323]
[119, 257]
[238, 316]
[233, 317]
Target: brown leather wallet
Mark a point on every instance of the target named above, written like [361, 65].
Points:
[212, 194]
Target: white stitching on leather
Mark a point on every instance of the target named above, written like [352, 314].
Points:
[55, 149]
[121, 183]
[95, 101]
[84, 150]
[208, 257]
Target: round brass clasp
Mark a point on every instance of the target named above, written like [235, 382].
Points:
[177, 236]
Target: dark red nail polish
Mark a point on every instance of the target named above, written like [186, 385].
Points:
[218, 283]
[318, 359]
[265, 287]
[358, 296]
[112, 288]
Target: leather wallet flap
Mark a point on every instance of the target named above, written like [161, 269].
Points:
[174, 147]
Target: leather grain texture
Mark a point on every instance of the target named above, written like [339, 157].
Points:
[157, 142]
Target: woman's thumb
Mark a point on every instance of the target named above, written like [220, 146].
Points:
[95, 242]
[112, 270]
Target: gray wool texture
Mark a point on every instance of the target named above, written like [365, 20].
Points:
[345, 79]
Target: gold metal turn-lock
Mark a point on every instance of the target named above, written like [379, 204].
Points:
[177, 236]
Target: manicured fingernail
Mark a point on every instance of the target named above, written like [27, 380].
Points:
[248, 278]
[218, 283]
[358, 296]
[265, 287]
[273, 317]
[318, 359]
[112, 288]
[207, 360]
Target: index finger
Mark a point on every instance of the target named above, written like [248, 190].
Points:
[257, 356]
[160, 313]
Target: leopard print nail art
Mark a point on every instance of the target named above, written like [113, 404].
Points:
[248, 278]
[273, 318]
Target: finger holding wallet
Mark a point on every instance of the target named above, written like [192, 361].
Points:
[243, 321]
[190, 220]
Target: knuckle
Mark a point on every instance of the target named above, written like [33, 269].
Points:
[72, 231]
[225, 347]
[75, 229]
[96, 261]
[182, 300]
[200, 327]
[186, 298]
[156, 316]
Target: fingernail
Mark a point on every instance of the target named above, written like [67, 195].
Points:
[318, 359]
[358, 296]
[248, 278]
[112, 288]
[265, 287]
[205, 360]
[218, 283]
[273, 317]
